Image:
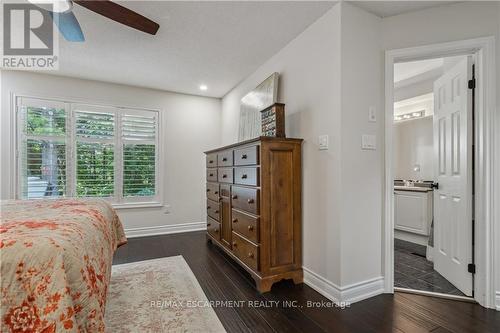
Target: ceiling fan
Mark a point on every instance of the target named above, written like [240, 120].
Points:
[62, 15]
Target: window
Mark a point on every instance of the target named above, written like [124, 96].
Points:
[77, 150]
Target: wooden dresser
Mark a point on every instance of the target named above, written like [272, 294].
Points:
[254, 207]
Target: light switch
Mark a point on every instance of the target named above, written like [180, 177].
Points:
[323, 142]
[372, 114]
[368, 142]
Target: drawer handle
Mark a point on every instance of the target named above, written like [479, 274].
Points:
[211, 161]
[220, 198]
[209, 224]
[208, 190]
[235, 196]
[216, 230]
[224, 159]
[216, 192]
[208, 207]
[224, 176]
[250, 201]
[235, 244]
[211, 175]
[244, 156]
[250, 255]
[235, 220]
[244, 176]
[250, 228]
[216, 211]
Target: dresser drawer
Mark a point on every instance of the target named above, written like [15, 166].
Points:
[211, 175]
[211, 160]
[246, 156]
[246, 251]
[246, 225]
[246, 199]
[246, 176]
[213, 191]
[225, 175]
[225, 158]
[213, 228]
[213, 209]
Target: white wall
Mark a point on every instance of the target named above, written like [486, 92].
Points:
[361, 170]
[413, 144]
[190, 125]
[323, 97]
[309, 68]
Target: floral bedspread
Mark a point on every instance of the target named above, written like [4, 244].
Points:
[55, 258]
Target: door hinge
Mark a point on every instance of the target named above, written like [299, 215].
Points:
[471, 268]
[472, 84]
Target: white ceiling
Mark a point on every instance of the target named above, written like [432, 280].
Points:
[212, 43]
[391, 8]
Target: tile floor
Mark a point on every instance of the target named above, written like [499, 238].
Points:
[413, 271]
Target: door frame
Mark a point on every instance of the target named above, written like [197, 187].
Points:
[487, 161]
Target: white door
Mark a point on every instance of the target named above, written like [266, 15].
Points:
[453, 171]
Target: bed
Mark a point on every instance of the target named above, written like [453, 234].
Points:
[56, 260]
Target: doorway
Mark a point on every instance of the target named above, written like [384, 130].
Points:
[432, 163]
[429, 221]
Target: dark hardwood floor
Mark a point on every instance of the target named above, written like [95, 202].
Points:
[223, 280]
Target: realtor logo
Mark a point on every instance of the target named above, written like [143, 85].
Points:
[28, 38]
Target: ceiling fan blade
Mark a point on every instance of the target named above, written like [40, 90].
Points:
[68, 26]
[120, 14]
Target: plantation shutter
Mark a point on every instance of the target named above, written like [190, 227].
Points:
[139, 137]
[42, 148]
[79, 150]
[95, 151]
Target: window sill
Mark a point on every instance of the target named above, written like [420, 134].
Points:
[137, 205]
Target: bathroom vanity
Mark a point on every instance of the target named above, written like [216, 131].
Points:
[413, 211]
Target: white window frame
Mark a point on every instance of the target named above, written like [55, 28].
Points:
[70, 106]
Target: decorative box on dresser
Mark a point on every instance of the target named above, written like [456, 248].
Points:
[254, 207]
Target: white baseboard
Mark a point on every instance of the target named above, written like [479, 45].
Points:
[362, 290]
[323, 286]
[411, 237]
[351, 293]
[497, 300]
[165, 229]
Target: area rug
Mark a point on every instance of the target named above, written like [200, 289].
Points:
[159, 295]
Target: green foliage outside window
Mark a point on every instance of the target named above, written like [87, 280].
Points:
[138, 170]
